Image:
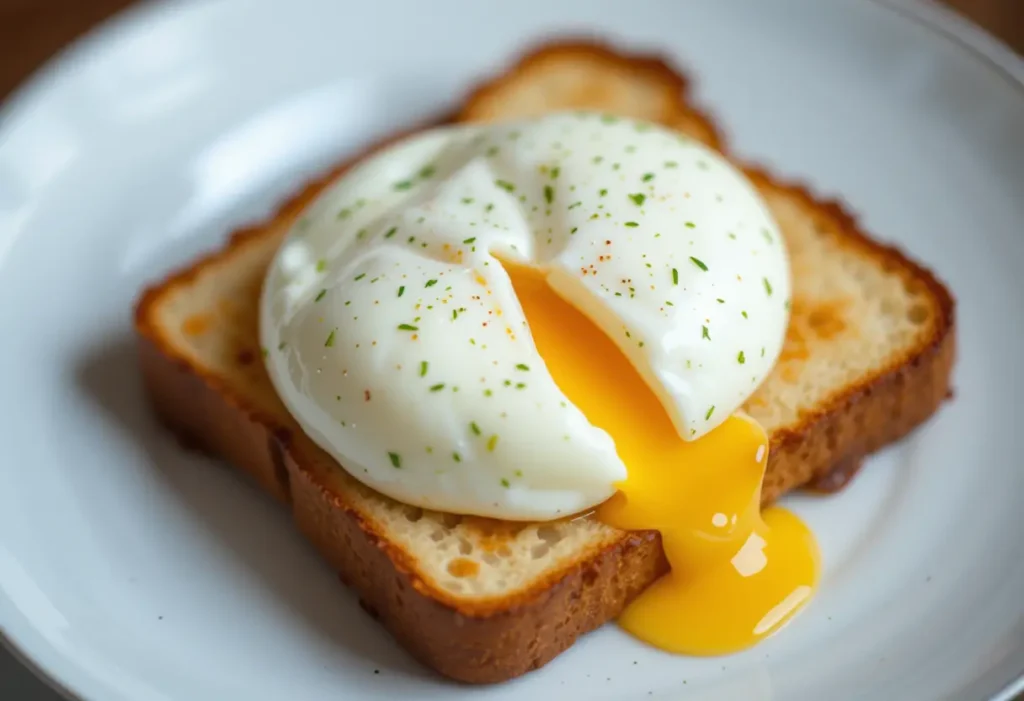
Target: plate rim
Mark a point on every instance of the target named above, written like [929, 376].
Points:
[941, 21]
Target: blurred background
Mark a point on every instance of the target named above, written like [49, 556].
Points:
[32, 31]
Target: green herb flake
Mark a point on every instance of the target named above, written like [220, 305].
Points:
[430, 283]
[711, 410]
[671, 164]
[638, 198]
[549, 194]
[648, 177]
[675, 276]
[704, 333]
[505, 185]
[470, 240]
[320, 295]
[345, 213]
[329, 343]
[427, 171]
[396, 460]
[699, 263]
[767, 287]
[403, 185]
[554, 172]
[523, 367]
[505, 483]
[744, 313]
[690, 225]
[602, 192]
[767, 236]
[423, 368]
[391, 232]
[437, 388]
[492, 442]
[631, 224]
[408, 327]
[321, 265]
[741, 358]
[474, 428]
[467, 200]
[359, 277]
[401, 290]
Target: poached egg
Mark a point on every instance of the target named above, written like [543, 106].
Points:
[530, 320]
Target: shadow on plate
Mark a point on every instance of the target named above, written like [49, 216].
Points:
[321, 606]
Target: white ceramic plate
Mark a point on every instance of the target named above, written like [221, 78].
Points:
[131, 570]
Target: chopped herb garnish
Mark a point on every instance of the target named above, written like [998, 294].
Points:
[648, 177]
[403, 185]
[690, 225]
[396, 459]
[474, 428]
[505, 185]
[704, 333]
[675, 276]
[470, 240]
[574, 230]
[671, 164]
[330, 340]
[344, 213]
[456, 457]
[320, 295]
[492, 442]
[711, 410]
[423, 368]
[359, 277]
[638, 198]
[408, 327]
[401, 290]
[741, 358]
[505, 483]
[523, 367]
[744, 313]
[391, 232]
[699, 263]
[631, 224]
[437, 388]
[467, 200]
[321, 265]
[427, 171]
[768, 287]
[602, 192]
[554, 172]
[549, 194]
[430, 283]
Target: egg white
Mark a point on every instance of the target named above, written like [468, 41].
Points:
[394, 336]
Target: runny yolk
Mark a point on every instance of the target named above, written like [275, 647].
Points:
[736, 575]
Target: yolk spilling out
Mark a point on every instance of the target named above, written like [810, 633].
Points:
[737, 575]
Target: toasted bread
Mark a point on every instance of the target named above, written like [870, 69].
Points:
[867, 358]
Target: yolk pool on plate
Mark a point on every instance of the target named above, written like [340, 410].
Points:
[737, 574]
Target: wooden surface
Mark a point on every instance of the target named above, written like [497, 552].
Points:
[33, 30]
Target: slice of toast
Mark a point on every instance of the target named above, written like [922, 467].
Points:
[867, 358]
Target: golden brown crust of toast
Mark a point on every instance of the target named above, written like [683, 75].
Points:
[489, 640]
